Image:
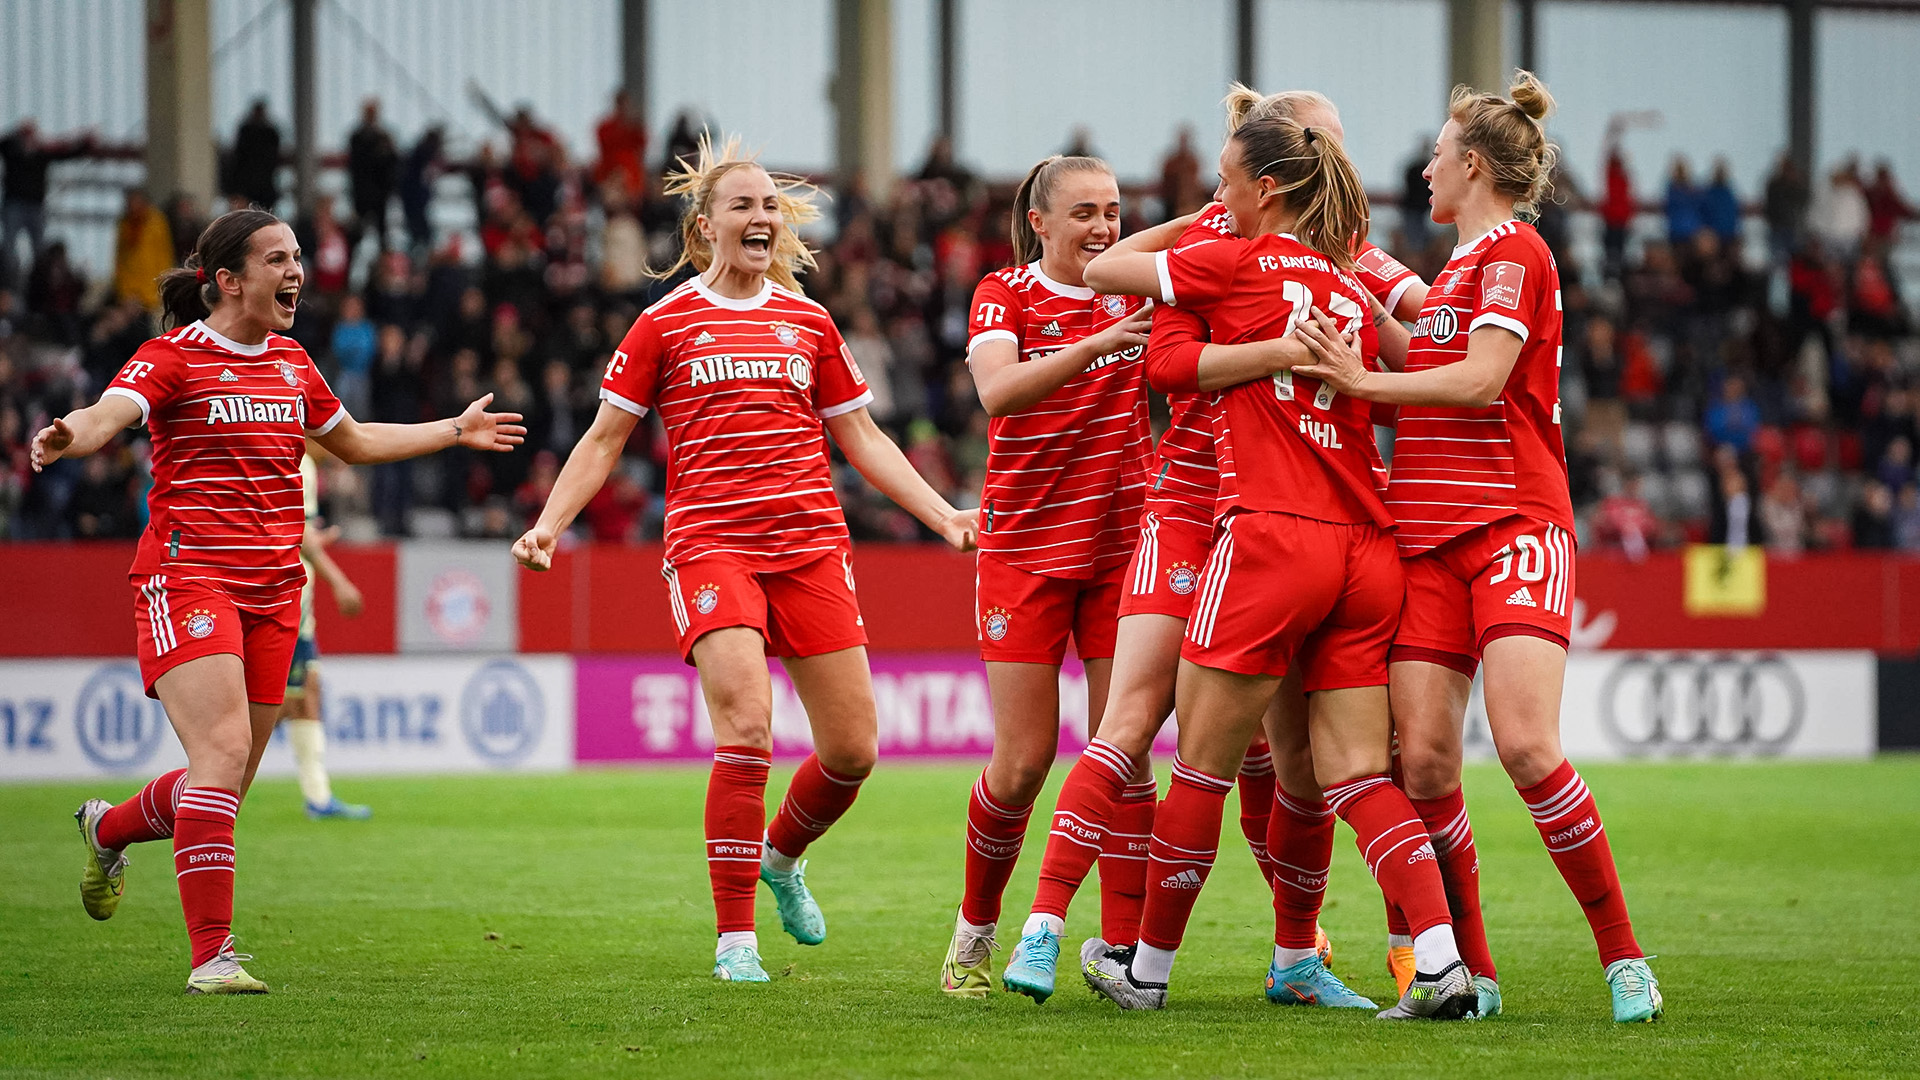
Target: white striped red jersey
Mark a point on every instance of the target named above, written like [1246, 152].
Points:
[1186, 474]
[1381, 274]
[228, 423]
[742, 387]
[1065, 479]
[1284, 444]
[1457, 469]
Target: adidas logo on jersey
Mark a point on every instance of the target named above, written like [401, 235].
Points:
[1185, 879]
[704, 338]
[241, 409]
[1052, 329]
[1522, 598]
[227, 375]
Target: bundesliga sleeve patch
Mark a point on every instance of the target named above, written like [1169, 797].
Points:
[1384, 266]
[1500, 285]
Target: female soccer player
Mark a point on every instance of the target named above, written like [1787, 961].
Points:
[1480, 485]
[228, 402]
[750, 377]
[1302, 571]
[1099, 808]
[1059, 370]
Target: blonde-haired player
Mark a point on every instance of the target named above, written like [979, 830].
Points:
[749, 377]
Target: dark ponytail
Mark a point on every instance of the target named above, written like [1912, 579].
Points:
[188, 294]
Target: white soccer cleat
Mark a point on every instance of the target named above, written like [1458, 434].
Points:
[1111, 976]
[224, 975]
[1449, 995]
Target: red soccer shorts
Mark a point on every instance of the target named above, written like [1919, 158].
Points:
[176, 621]
[1514, 576]
[1281, 589]
[804, 610]
[1024, 618]
[1164, 576]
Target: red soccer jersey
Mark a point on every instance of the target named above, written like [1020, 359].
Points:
[1067, 478]
[1381, 274]
[742, 387]
[228, 423]
[1186, 474]
[1284, 444]
[1457, 469]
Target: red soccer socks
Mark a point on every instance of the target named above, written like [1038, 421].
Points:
[1186, 839]
[1300, 842]
[1256, 804]
[994, 834]
[815, 800]
[1564, 812]
[1452, 834]
[203, 863]
[1393, 841]
[735, 820]
[146, 816]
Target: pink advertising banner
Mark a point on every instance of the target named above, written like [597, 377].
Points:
[930, 705]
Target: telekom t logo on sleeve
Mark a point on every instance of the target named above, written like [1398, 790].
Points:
[992, 313]
[1500, 284]
[135, 370]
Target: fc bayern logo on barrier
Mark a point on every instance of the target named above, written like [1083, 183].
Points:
[502, 712]
[118, 726]
[457, 606]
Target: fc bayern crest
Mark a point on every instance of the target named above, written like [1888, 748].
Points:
[289, 373]
[996, 624]
[1182, 579]
[788, 335]
[706, 599]
[1116, 305]
[199, 623]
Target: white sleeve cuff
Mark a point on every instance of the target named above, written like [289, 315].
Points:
[1166, 277]
[133, 395]
[619, 402]
[1504, 322]
[332, 422]
[1393, 295]
[991, 335]
[846, 406]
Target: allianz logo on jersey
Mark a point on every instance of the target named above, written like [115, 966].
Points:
[1440, 326]
[1132, 352]
[797, 369]
[243, 409]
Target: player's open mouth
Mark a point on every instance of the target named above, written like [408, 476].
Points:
[287, 298]
[1094, 249]
[759, 243]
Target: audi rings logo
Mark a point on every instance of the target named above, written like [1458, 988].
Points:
[1702, 703]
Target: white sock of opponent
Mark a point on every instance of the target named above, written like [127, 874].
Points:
[309, 741]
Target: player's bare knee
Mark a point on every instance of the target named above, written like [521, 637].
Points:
[1529, 761]
[853, 760]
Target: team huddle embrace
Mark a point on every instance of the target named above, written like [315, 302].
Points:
[1312, 618]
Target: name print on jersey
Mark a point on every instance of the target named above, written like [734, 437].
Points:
[243, 409]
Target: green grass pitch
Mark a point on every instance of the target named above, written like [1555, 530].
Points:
[560, 926]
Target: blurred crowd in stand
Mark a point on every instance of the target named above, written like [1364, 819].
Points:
[1742, 374]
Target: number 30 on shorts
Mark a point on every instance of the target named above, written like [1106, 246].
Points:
[1525, 558]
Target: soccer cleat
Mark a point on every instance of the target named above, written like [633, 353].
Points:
[1093, 949]
[1448, 995]
[1310, 983]
[1636, 993]
[224, 975]
[739, 964]
[1111, 976]
[1030, 972]
[799, 914]
[1400, 966]
[1323, 947]
[965, 972]
[103, 878]
[334, 808]
[1489, 992]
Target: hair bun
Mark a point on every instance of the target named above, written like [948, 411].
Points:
[1531, 95]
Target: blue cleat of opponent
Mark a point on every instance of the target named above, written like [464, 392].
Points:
[1310, 983]
[1030, 971]
[1636, 993]
[799, 913]
[334, 808]
[1489, 992]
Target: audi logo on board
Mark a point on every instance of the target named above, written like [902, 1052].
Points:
[1702, 703]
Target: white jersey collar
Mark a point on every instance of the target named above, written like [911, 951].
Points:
[227, 343]
[757, 300]
[1072, 292]
[1471, 244]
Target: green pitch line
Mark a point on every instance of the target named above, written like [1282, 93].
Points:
[560, 926]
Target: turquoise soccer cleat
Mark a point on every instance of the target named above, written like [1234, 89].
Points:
[740, 964]
[1636, 993]
[799, 914]
[1030, 972]
[1489, 992]
[1310, 983]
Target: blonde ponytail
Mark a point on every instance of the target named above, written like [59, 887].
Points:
[1508, 134]
[1036, 193]
[1316, 177]
[694, 182]
[1244, 103]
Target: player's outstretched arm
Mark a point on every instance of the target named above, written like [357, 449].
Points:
[83, 431]
[313, 547]
[587, 468]
[1471, 383]
[888, 470]
[1129, 267]
[372, 444]
[1007, 386]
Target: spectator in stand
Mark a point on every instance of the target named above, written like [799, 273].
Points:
[1786, 208]
[1873, 303]
[396, 400]
[1873, 519]
[1896, 463]
[185, 219]
[1906, 518]
[874, 355]
[26, 158]
[1887, 209]
[1416, 208]
[1838, 217]
[1720, 206]
[102, 506]
[1732, 420]
[142, 251]
[54, 294]
[424, 164]
[253, 171]
[353, 347]
[1180, 189]
[622, 135]
[327, 251]
[1625, 523]
[1617, 210]
[373, 170]
[1783, 516]
[1686, 206]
